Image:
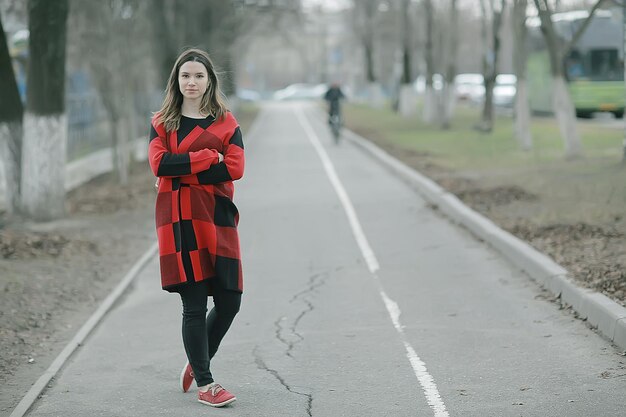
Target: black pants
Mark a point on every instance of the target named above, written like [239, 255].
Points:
[202, 334]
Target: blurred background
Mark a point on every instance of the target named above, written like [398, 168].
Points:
[118, 54]
[515, 106]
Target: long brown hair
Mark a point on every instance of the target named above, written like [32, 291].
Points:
[212, 102]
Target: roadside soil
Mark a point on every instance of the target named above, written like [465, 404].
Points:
[594, 254]
[54, 275]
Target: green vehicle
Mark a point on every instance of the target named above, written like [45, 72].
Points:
[594, 68]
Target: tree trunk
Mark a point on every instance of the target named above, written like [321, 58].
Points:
[407, 101]
[561, 100]
[486, 123]
[131, 122]
[624, 62]
[114, 80]
[43, 162]
[429, 114]
[118, 130]
[369, 61]
[447, 104]
[11, 113]
[370, 7]
[566, 117]
[45, 123]
[364, 18]
[165, 51]
[522, 105]
[484, 37]
[490, 64]
[522, 116]
[119, 133]
[407, 104]
[10, 148]
[376, 96]
[448, 97]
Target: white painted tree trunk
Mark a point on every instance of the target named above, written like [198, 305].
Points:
[447, 105]
[10, 164]
[429, 114]
[407, 106]
[43, 166]
[566, 117]
[121, 152]
[131, 124]
[376, 97]
[522, 116]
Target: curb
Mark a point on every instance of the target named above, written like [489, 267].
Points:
[600, 311]
[31, 396]
[100, 162]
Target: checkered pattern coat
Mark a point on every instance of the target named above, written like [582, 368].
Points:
[196, 219]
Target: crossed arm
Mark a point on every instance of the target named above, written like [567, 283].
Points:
[206, 166]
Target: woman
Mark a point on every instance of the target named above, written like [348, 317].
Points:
[196, 151]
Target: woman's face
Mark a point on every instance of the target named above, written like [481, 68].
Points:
[193, 80]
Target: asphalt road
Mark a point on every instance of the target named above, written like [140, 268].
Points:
[360, 300]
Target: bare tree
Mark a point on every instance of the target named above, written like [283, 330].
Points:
[365, 16]
[107, 26]
[216, 25]
[45, 122]
[520, 56]
[622, 4]
[492, 14]
[448, 94]
[163, 33]
[562, 102]
[407, 103]
[440, 46]
[11, 113]
[430, 99]
[624, 62]
[278, 24]
[213, 26]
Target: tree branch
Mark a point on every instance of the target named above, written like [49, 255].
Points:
[581, 29]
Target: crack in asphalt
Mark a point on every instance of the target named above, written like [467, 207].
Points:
[315, 281]
[262, 366]
[312, 285]
[278, 335]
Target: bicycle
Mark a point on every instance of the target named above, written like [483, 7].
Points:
[335, 126]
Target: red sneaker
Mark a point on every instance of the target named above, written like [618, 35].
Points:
[186, 377]
[216, 396]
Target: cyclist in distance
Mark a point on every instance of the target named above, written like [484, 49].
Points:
[334, 95]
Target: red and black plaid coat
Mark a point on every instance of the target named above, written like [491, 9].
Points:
[196, 219]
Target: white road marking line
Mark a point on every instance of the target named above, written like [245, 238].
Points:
[357, 230]
[426, 381]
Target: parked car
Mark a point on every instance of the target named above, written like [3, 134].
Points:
[469, 87]
[301, 91]
[420, 83]
[504, 91]
[245, 94]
